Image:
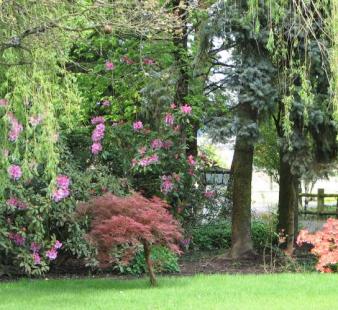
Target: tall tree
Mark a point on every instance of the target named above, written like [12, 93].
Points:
[248, 77]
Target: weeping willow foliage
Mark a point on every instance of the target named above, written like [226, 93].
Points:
[334, 57]
[35, 39]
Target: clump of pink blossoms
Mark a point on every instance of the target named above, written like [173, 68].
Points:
[191, 161]
[3, 102]
[169, 119]
[52, 253]
[109, 66]
[35, 120]
[62, 191]
[98, 134]
[14, 172]
[186, 109]
[209, 194]
[36, 258]
[325, 244]
[97, 120]
[15, 202]
[146, 161]
[157, 144]
[17, 238]
[138, 125]
[167, 184]
[148, 61]
[62, 181]
[15, 130]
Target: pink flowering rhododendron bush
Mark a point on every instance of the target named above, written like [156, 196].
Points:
[325, 245]
[154, 158]
[37, 225]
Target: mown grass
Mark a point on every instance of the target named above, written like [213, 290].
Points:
[275, 291]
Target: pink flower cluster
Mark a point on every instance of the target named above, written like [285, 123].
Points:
[17, 238]
[3, 102]
[191, 162]
[62, 181]
[106, 103]
[62, 191]
[325, 244]
[146, 161]
[52, 253]
[14, 172]
[97, 120]
[186, 109]
[167, 184]
[138, 125]
[173, 105]
[142, 150]
[109, 65]
[148, 61]
[35, 120]
[157, 144]
[35, 248]
[209, 194]
[169, 119]
[16, 128]
[17, 203]
[97, 134]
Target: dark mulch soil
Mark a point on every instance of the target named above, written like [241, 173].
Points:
[193, 263]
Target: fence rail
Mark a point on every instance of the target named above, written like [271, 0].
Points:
[320, 196]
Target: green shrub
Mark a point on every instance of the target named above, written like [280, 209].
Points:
[163, 259]
[212, 236]
[218, 235]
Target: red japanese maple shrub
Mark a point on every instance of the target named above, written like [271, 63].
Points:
[325, 244]
[133, 221]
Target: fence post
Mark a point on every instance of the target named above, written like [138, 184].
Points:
[320, 200]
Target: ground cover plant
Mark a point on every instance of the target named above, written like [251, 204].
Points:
[274, 291]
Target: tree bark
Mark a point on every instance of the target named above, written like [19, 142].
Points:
[241, 242]
[287, 204]
[149, 263]
[182, 85]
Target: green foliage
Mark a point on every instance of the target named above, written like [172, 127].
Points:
[266, 156]
[44, 221]
[218, 235]
[164, 261]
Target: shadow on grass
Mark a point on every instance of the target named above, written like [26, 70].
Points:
[80, 285]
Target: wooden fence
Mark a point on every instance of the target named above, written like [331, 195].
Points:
[320, 210]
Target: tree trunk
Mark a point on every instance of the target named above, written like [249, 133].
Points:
[147, 253]
[192, 148]
[182, 85]
[241, 242]
[287, 204]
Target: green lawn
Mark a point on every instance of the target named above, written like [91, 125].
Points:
[282, 291]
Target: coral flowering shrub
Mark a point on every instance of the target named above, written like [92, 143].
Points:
[325, 245]
[132, 221]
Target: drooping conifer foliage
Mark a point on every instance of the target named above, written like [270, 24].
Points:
[130, 221]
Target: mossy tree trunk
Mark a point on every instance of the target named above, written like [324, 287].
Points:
[287, 204]
[241, 242]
